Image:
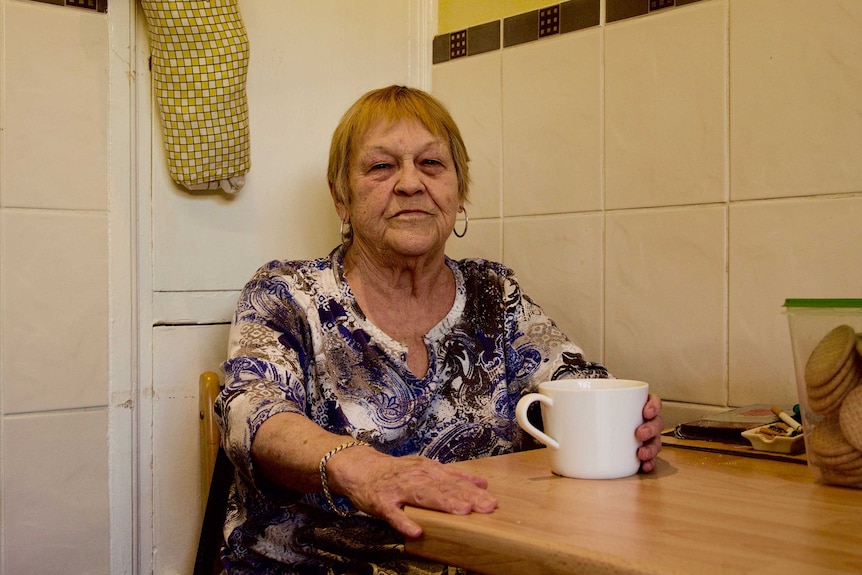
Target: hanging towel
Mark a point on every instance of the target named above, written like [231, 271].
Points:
[199, 67]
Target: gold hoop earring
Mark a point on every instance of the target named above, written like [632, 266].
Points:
[466, 225]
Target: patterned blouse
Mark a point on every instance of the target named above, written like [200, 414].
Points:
[300, 343]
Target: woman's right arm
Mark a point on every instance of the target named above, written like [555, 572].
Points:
[273, 443]
[288, 448]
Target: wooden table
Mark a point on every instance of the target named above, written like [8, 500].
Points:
[699, 513]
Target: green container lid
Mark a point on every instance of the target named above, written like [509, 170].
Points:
[824, 303]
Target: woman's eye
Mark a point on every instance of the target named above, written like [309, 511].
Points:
[379, 166]
[431, 162]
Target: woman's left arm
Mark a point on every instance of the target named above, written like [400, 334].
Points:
[555, 356]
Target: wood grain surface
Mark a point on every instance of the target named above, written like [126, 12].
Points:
[698, 513]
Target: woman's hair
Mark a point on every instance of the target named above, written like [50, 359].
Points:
[392, 104]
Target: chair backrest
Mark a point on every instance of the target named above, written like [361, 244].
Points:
[216, 478]
[208, 389]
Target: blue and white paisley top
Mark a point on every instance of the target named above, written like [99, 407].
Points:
[300, 343]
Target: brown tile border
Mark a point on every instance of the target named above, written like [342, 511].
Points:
[553, 20]
[622, 9]
[97, 5]
[483, 38]
[579, 14]
[521, 28]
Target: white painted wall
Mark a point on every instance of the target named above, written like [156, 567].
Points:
[309, 62]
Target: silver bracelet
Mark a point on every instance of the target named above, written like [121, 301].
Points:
[324, 481]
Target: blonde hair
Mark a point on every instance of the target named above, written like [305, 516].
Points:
[393, 103]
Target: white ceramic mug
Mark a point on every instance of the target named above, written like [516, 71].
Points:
[589, 425]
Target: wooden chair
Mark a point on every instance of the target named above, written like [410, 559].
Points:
[216, 477]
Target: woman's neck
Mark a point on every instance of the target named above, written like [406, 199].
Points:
[394, 275]
[404, 301]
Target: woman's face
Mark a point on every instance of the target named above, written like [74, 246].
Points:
[404, 191]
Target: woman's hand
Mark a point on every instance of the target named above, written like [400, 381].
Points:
[287, 451]
[381, 485]
[650, 433]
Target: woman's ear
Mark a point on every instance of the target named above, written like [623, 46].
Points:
[340, 208]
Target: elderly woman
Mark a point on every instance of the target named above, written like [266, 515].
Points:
[353, 378]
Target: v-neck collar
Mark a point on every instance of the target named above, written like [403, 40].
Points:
[395, 349]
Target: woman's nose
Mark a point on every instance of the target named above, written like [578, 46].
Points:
[409, 180]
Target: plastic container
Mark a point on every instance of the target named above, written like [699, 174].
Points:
[826, 335]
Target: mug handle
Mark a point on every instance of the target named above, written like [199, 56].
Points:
[521, 416]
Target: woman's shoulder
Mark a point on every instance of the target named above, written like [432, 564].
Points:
[482, 268]
[292, 267]
[280, 277]
[298, 267]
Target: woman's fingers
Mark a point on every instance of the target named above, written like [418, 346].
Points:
[381, 485]
[424, 483]
[401, 523]
[650, 433]
[652, 408]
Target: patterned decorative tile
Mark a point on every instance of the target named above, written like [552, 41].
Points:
[549, 21]
[457, 44]
[530, 26]
[89, 4]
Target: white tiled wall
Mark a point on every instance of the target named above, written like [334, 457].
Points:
[55, 321]
[794, 98]
[679, 133]
[665, 300]
[568, 276]
[55, 129]
[552, 93]
[480, 109]
[802, 246]
[666, 108]
[54, 485]
[55, 493]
